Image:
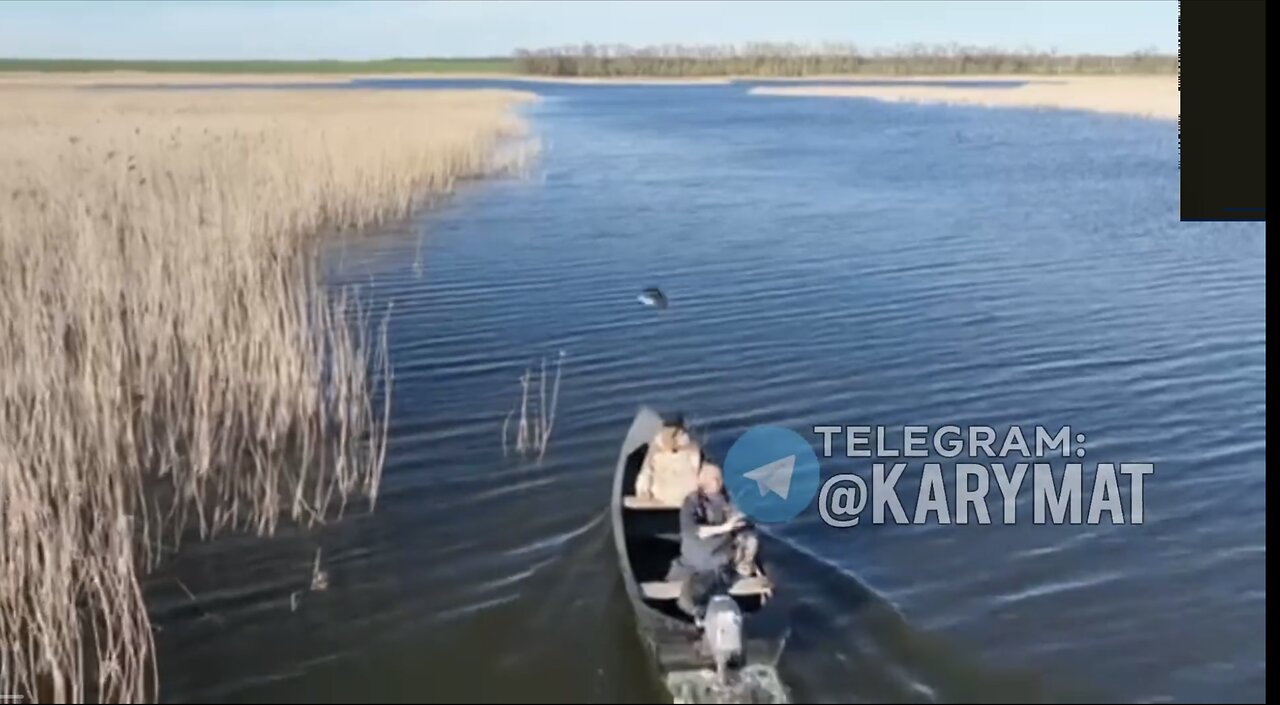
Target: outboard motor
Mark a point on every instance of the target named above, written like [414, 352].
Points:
[722, 631]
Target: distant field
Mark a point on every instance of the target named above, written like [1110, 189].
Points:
[590, 62]
[494, 65]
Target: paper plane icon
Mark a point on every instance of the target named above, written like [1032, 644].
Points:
[774, 477]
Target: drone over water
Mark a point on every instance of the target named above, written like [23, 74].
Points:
[653, 297]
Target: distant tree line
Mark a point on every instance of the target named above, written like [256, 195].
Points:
[788, 59]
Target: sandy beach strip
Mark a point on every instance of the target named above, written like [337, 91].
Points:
[144, 78]
[1154, 97]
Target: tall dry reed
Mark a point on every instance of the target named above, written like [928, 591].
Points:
[171, 360]
[533, 427]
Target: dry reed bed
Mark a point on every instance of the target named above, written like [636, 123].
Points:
[1153, 97]
[170, 359]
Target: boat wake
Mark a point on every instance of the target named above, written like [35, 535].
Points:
[754, 683]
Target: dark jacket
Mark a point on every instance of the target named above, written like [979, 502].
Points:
[712, 552]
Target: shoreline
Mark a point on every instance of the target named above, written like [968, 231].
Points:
[142, 78]
[1150, 97]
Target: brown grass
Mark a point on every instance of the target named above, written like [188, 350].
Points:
[1143, 96]
[170, 359]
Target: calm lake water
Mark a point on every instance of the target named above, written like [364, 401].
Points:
[828, 262]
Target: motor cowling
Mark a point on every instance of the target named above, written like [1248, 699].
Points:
[722, 631]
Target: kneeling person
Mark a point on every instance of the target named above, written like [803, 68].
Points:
[716, 543]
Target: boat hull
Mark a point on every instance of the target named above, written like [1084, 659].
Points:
[646, 541]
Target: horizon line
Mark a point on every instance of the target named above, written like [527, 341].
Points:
[514, 55]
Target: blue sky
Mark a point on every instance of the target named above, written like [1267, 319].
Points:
[299, 29]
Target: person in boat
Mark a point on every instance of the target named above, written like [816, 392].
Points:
[670, 469]
[717, 544]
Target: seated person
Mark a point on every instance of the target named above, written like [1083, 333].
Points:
[716, 543]
[670, 470]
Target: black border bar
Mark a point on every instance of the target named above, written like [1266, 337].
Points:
[1222, 129]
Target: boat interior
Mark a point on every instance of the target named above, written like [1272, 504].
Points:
[653, 541]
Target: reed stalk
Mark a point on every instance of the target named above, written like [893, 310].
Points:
[533, 430]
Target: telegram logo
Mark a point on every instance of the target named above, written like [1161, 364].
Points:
[771, 474]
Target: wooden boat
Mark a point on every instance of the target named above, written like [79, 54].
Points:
[647, 537]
